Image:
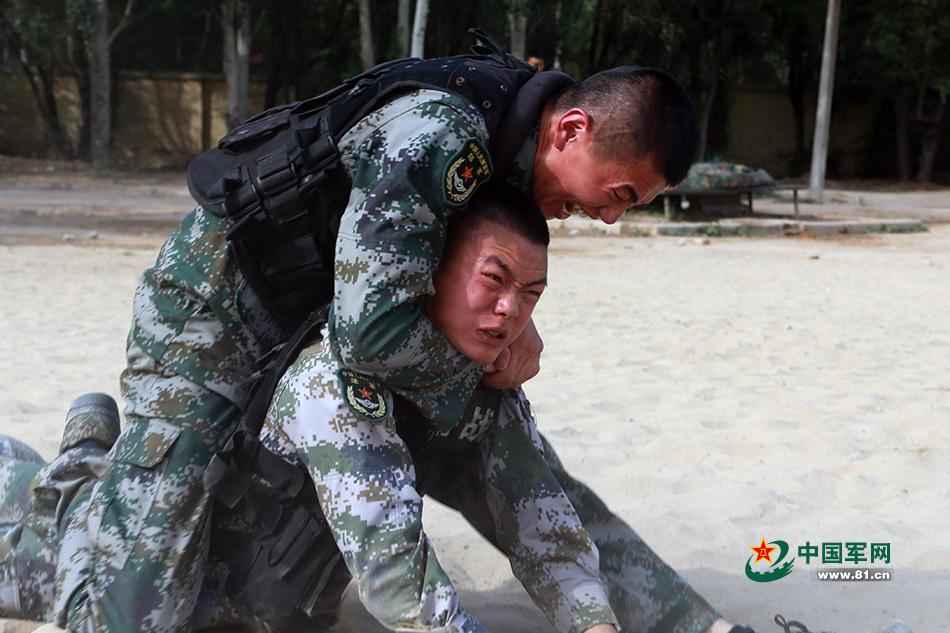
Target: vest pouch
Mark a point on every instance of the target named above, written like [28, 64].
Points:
[285, 567]
[256, 129]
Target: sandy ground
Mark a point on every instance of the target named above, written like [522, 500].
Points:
[712, 394]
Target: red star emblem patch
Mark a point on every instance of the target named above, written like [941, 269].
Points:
[763, 551]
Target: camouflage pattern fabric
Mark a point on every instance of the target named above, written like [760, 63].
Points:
[704, 176]
[38, 502]
[389, 244]
[366, 484]
[645, 592]
[133, 558]
[135, 549]
[27, 565]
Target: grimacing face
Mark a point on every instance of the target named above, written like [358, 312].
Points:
[569, 177]
[486, 290]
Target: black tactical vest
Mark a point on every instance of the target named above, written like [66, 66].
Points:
[279, 180]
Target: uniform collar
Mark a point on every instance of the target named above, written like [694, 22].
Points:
[522, 167]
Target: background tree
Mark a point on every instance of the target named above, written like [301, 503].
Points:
[94, 16]
[236, 27]
[367, 52]
[402, 28]
[910, 51]
[517, 27]
[35, 36]
[894, 61]
[419, 23]
[795, 28]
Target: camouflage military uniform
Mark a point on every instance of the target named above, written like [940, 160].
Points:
[366, 483]
[365, 477]
[386, 255]
[38, 503]
[133, 557]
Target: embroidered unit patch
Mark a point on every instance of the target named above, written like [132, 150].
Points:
[468, 169]
[364, 397]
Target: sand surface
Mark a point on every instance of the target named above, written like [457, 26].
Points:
[712, 394]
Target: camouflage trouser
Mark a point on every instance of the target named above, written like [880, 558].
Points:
[138, 555]
[39, 501]
[27, 557]
[156, 482]
[645, 593]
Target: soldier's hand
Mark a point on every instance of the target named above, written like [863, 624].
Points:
[518, 363]
[601, 628]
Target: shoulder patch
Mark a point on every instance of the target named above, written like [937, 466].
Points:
[365, 397]
[470, 167]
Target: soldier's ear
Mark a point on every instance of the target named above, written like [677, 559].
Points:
[572, 125]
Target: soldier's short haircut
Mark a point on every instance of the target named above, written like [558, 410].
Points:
[506, 206]
[638, 112]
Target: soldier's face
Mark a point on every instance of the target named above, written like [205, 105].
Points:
[568, 178]
[486, 290]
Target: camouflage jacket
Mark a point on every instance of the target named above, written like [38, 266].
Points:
[403, 158]
[340, 425]
[390, 241]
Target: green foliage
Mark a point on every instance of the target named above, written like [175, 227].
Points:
[897, 53]
[911, 45]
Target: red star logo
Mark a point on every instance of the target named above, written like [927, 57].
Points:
[366, 393]
[763, 552]
[467, 173]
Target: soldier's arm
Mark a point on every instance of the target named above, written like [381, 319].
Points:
[390, 240]
[365, 483]
[536, 526]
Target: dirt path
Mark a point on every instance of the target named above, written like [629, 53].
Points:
[46, 200]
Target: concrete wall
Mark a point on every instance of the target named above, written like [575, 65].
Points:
[159, 120]
[163, 120]
[762, 131]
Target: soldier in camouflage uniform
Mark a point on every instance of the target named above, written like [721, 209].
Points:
[341, 427]
[38, 502]
[134, 558]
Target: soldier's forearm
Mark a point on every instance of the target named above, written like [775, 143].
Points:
[553, 558]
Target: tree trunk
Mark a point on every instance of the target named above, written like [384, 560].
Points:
[80, 62]
[40, 81]
[558, 33]
[367, 55]
[402, 28]
[594, 38]
[280, 41]
[819, 148]
[710, 100]
[44, 95]
[419, 29]
[795, 49]
[100, 86]
[236, 23]
[902, 133]
[929, 134]
[517, 28]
